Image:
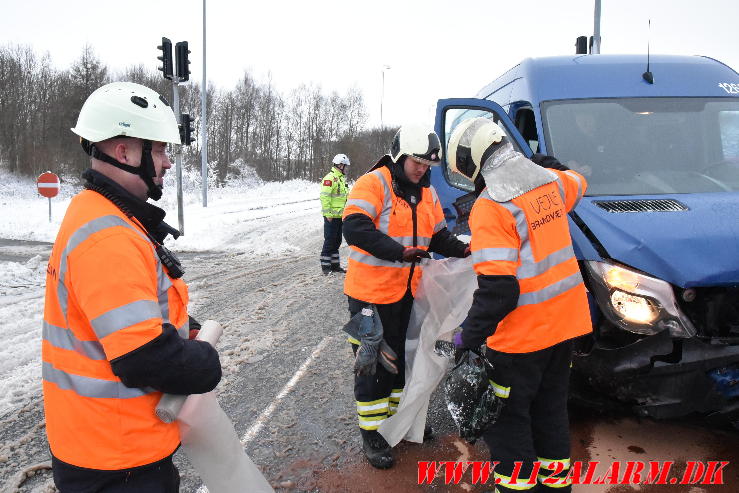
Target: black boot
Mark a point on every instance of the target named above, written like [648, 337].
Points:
[337, 268]
[428, 433]
[326, 270]
[376, 449]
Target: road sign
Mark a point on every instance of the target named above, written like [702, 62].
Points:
[48, 184]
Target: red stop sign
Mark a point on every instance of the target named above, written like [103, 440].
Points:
[48, 184]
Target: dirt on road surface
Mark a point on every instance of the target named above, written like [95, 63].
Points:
[287, 386]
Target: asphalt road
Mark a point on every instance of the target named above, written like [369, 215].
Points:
[287, 387]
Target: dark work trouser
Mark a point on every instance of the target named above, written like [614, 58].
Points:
[533, 424]
[378, 395]
[331, 243]
[159, 477]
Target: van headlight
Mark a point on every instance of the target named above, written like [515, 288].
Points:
[637, 302]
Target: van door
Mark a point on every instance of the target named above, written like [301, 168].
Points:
[455, 191]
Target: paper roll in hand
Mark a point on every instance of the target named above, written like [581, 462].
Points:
[170, 404]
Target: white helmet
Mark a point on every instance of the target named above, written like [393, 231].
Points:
[127, 109]
[341, 159]
[416, 141]
[469, 145]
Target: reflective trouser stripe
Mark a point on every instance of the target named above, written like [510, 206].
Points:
[520, 484]
[499, 390]
[554, 481]
[394, 401]
[88, 386]
[371, 422]
[370, 414]
[372, 407]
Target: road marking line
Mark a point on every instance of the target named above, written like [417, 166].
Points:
[259, 423]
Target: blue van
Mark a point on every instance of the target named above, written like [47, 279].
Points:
[657, 234]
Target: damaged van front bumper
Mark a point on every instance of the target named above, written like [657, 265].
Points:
[665, 377]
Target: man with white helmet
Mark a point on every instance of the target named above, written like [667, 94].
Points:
[530, 302]
[392, 220]
[116, 327]
[333, 199]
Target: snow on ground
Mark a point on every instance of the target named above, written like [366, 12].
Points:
[244, 216]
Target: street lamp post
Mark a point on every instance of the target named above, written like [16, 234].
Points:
[382, 94]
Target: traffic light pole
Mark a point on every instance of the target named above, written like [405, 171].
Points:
[178, 158]
[204, 124]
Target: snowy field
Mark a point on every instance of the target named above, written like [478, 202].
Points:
[244, 217]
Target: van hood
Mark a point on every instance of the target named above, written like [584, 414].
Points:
[695, 242]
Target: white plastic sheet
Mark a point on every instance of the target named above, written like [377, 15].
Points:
[442, 301]
[210, 442]
[208, 437]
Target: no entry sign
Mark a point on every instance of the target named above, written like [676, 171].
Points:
[48, 184]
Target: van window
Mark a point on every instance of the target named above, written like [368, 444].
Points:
[729, 124]
[640, 146]
[452, 118]
[526, 124]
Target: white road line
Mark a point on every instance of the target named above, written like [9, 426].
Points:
[261, 420]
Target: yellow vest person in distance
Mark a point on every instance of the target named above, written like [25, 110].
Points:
[333, 200]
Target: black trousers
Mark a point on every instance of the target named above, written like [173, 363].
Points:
[378, 395]
[533, 424]
[159, 477]
[331, 243]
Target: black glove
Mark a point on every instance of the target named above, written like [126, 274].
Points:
[413, 254]
[550, 162]
[194, 328]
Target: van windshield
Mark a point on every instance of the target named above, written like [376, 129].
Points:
[647, 145]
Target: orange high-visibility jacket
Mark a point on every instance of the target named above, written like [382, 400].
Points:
[107, 294]
[374, 280]
[529, 238]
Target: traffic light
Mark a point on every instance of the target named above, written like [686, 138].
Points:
[166, 58]
[186, 129]
[183, 64]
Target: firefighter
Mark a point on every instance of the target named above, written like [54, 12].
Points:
[333, 199]
[530, 302]
[115, 326]
[392, 220]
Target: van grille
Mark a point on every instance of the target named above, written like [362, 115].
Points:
[641, 205]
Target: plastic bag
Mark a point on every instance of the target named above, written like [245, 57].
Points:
[442, 300]
[470, 398]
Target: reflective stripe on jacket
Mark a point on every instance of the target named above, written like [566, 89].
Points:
[529, 238]
[107, 294]
[333, 193]
[375, 280]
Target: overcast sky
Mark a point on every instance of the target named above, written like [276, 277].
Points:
[435, 49]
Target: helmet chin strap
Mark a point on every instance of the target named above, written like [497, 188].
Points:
[146, 170]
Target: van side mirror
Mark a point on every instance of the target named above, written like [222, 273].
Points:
[581, 45]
